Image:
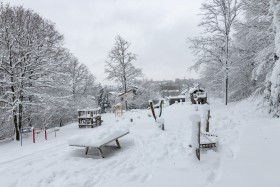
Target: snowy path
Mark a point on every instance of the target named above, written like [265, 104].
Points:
[148, 157]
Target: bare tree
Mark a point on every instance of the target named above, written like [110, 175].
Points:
[217, 21]
[119, 65]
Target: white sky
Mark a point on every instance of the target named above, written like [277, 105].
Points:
[157, 29]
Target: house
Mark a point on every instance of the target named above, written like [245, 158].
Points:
[174, 99]
[113, 98]
[128, 96]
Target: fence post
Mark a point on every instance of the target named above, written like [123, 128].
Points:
[152, 109]
[206, 109]
[46, 138]
[33, 134]
[196, 122]
[20, 136]
[208, 124]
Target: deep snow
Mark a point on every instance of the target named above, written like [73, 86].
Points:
[248, 153]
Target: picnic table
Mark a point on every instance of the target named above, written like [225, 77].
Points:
[89, 141]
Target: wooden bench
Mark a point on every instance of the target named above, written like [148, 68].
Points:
[207, 140]
[201, 139]
[102, 143]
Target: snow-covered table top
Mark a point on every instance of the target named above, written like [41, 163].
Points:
[98, 136]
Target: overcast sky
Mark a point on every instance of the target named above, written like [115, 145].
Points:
[157, 30]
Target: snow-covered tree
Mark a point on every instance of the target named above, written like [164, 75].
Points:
[213, 49]
[147, 90]
[253, 55]
[274, 91]
[103, 99]
[119, 65]
[37, 84]
[30, 48]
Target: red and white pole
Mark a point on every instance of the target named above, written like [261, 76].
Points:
[33, 134]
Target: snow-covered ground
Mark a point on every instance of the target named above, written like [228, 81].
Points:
[248, 153]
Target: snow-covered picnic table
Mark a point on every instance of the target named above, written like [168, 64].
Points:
[99, 137]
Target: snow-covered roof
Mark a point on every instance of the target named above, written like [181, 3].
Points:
[113, 93]
[89, 109]
[195, 89]
[177, 97]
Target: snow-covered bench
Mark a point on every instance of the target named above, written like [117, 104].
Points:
[201, 139]
[93, 140]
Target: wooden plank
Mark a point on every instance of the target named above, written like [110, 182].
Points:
[208, 145]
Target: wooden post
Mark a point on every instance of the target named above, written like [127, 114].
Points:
[197, 150]
[196, 123]
[152, 109]
[21, 136]
[45, 130]
[33, 134]
[206, 109]
[207, 121]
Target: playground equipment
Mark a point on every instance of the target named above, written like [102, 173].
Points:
[158, 119]
[89, 117]
[198, 95]
[202, 139]
[34, 131]
[118, 110]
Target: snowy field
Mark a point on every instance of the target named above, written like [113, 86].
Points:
[248, 153]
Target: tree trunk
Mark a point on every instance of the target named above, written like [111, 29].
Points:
[227, 58]
[60, 123]
[125, 92]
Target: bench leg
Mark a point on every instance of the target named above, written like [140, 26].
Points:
[100, 151]
[118, 143]
[87, 150]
